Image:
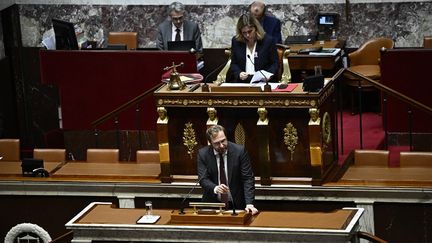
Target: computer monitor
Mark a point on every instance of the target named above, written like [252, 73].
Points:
[64, 35]
[181, 45]
[327, 22]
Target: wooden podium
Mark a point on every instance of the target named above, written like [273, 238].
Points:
[290, 136]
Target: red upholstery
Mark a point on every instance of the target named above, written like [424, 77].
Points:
[93, 83]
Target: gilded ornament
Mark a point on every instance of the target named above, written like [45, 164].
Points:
[240, 134]
[326, 128]
[290, 138]
[189, 139]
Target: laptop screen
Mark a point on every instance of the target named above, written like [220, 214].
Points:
[181, 45]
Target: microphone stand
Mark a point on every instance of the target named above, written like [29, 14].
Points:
[181, 210]
[232, 200]
[205, 87]
[267, 87]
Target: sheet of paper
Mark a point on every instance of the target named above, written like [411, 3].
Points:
[148, 219]
[261, 76]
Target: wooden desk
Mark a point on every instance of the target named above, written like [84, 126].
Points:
[289, 146]
[99, 221]
[13, 169]
[108, 171]
[390, 176]
[301, 62]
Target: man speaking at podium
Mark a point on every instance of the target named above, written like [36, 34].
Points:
[225, 172]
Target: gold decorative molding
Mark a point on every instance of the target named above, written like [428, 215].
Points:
[235, 102]
[189, 139]
[326, 128]
[290, 138]
[240, 134]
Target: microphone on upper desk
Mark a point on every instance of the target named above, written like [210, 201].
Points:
[181, 210]
[267, 87]
[205, 86]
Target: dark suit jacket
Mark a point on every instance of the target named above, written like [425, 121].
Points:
[191, 32]
[272, 26]
[240, 175]
[267, 58]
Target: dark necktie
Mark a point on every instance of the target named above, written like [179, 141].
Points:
[177, 37]
[223, 179]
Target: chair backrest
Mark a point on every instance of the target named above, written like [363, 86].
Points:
[147, 156]
[103, 155]
[371, 157]
[427, 42]
[369, 52]
[283, 75]
[408, 159]
[10, 149]
[128, 38]
[50, 155]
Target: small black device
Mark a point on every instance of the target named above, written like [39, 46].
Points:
[313, 83]
[282, 86]
[327, 23]
[64, 35]
[300, 39]
[116, 47]
[181, 45]
[33, 168]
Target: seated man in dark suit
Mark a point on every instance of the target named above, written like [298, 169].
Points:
[231, 178]
[271, 25]
[178, 29]
[252, 50]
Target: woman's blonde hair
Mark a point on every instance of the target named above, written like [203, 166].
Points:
[247, 20]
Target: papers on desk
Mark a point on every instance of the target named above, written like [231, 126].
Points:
[261, 76]
[326, 52]
[148, 219]
[260, 84]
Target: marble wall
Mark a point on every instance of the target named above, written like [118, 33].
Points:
[406, 22]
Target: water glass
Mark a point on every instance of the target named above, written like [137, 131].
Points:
[148, 207]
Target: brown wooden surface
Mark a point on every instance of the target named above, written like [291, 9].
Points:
[8, 168]
[337, 219]
[383, 175]
[308, 62]
[226, 218]
[108, 170]
[234, 108]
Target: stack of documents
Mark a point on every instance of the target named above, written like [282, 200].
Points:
[326, 52]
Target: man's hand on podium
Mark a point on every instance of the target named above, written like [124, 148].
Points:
[251, 209]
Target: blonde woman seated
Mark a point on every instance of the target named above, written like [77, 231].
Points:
[252, 50]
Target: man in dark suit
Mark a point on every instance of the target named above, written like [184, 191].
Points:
[176, 28]
[231, 177]
[271, 25]
[252, 50]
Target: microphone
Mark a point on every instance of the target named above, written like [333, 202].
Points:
[205, 86]
[232, 200]
[181, 210]
[267, 87]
